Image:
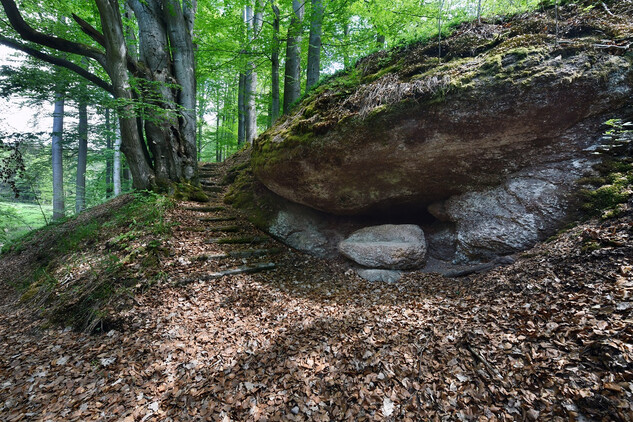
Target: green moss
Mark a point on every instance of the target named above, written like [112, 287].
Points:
[244, 194]
[63, 251]
[590, 246]
[382, 72]
[189, 192]
[612, 189]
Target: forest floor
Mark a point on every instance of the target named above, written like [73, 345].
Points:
[549, 337]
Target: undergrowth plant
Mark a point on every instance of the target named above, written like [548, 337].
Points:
[87, 265]
[612, 189]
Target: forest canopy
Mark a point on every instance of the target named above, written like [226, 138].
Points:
[159, 85]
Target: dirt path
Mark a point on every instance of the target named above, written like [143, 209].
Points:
[547, 338]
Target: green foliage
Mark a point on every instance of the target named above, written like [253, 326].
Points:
[132, 230]
[608, 200]
[613, 188]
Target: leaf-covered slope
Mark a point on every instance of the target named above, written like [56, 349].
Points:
[547, 338]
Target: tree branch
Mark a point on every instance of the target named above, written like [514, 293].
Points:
[58, 62]
[90, 30]
[30, 34]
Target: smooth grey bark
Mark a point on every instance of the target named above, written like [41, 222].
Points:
[314, 47]
[201, 110]
[241, 110]
[479, 12]
[439, 29]
[253, 19]
[167, 51]
[164, 72]
[116, 61]
[274, 56]
[346, 60]
[180, 27]
[57, 161]
[82, 157]
[109, 153]
[126, 176]
[250, 117]
[130, 34]
[292, 74]
[380, 41]
[217, 124]
[116, 164]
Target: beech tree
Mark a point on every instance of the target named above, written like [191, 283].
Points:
[314, 48]
[82, 156]
[155, 93]
[57, 157]
[292, 81]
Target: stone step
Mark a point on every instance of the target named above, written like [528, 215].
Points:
[225, 229]
[247, 253]
[209, 166]
[246, 269]
[206, 209]
[238, 240]
[212, 188]
[217, 219]
[192, 229]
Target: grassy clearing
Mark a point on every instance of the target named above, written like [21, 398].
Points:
[17, 219]
[78, 270]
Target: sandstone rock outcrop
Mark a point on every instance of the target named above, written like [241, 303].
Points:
[483, 148]
[417, 131]
[511, 217]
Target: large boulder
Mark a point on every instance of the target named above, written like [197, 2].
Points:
[417, 131]
[483, 148]
[511, 217]
[387, 246]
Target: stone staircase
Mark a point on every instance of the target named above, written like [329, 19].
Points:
[237, 239]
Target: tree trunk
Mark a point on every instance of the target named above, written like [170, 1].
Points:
[439, 29]
[109, 154]
[380, 41]
[253, 20]
[116, 168]
[126, 183]
[479, 12]
[274, 110]
[164, 47]
[116, 59]
[292, 75]
[164, 74]
[241, 110]
[57, 162]
[347, 63]
[82, 157]
[314, 48]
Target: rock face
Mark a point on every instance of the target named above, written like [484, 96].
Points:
[387, 246]
[514, 216]
[482, 148]
[299, 231]
[415, 132]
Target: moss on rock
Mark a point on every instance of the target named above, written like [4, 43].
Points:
[189, 192]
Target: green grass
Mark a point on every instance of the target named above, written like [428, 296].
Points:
[17, 219]
[103, 255]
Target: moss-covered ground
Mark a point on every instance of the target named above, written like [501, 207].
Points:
[77, 268]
